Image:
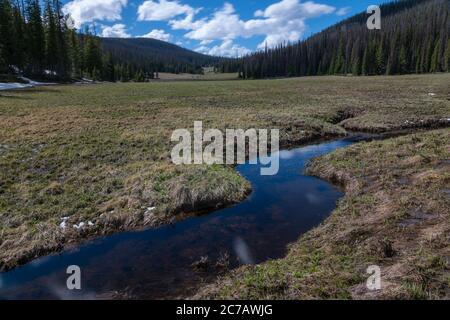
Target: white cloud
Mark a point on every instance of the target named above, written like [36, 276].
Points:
[187, 23]
[224, 24]
[294, 9]
[83, 11]
[343, 11]
[285, 20]
[226, 49]
[158, 34]
[116, 31]
[163, 10]
[205, 42]
[280, 22]
[259, 13]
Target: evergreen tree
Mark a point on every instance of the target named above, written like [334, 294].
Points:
[355, 59]
[428, 55]
[365, 63]
[393, 61]
[109, 73]
[332, 68]
[379, 59]
[435, 64]
[139, 76]
[63, 62]
[20, 49]
[3, 67]
[7, 31]
[403, 61]
[75, 54]
[51, 38]
[447, 56]
[340, 60]
[35, 37]
[92, 57]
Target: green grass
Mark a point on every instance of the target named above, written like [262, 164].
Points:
[101, 153]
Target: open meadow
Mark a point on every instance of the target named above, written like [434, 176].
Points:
[100, 154]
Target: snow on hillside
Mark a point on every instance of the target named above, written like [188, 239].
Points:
[12, 86]
[16, 85]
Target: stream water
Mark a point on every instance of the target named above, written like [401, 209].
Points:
[157, 263]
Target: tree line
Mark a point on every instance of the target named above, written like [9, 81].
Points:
[152, 54]
[36, 41]
[414, 38]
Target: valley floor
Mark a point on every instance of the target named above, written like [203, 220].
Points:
[83, 161]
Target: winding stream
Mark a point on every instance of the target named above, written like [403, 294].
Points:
[157, 263]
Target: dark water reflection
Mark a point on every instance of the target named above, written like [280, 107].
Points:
[156, 264]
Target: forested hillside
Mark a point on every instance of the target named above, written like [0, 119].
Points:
[35, 40]
[152, 54]
[414, 38]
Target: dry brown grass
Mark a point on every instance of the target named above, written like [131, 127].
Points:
[395, 215]
[100, 153]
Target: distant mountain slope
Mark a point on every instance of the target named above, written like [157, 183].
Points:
[414, 38]
[152, 54]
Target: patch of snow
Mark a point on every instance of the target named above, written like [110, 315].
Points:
[82, 225]
[85, 81]
[150, 209]
[15, 68]
[30, 84]
[79, 226]
[63, 224]
[14, 85]
[37, 83]
[150, 217]
[49, 72]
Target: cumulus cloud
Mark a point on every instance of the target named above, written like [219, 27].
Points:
[158, 34]
[224, 24]
[280, 22]
[226, 49]
[294, 9]
[163, 10]
[343, 11]
[187, 23]
[116, 31]
[206, 42]
[83, 11]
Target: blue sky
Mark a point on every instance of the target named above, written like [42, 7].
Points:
[215, 27]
